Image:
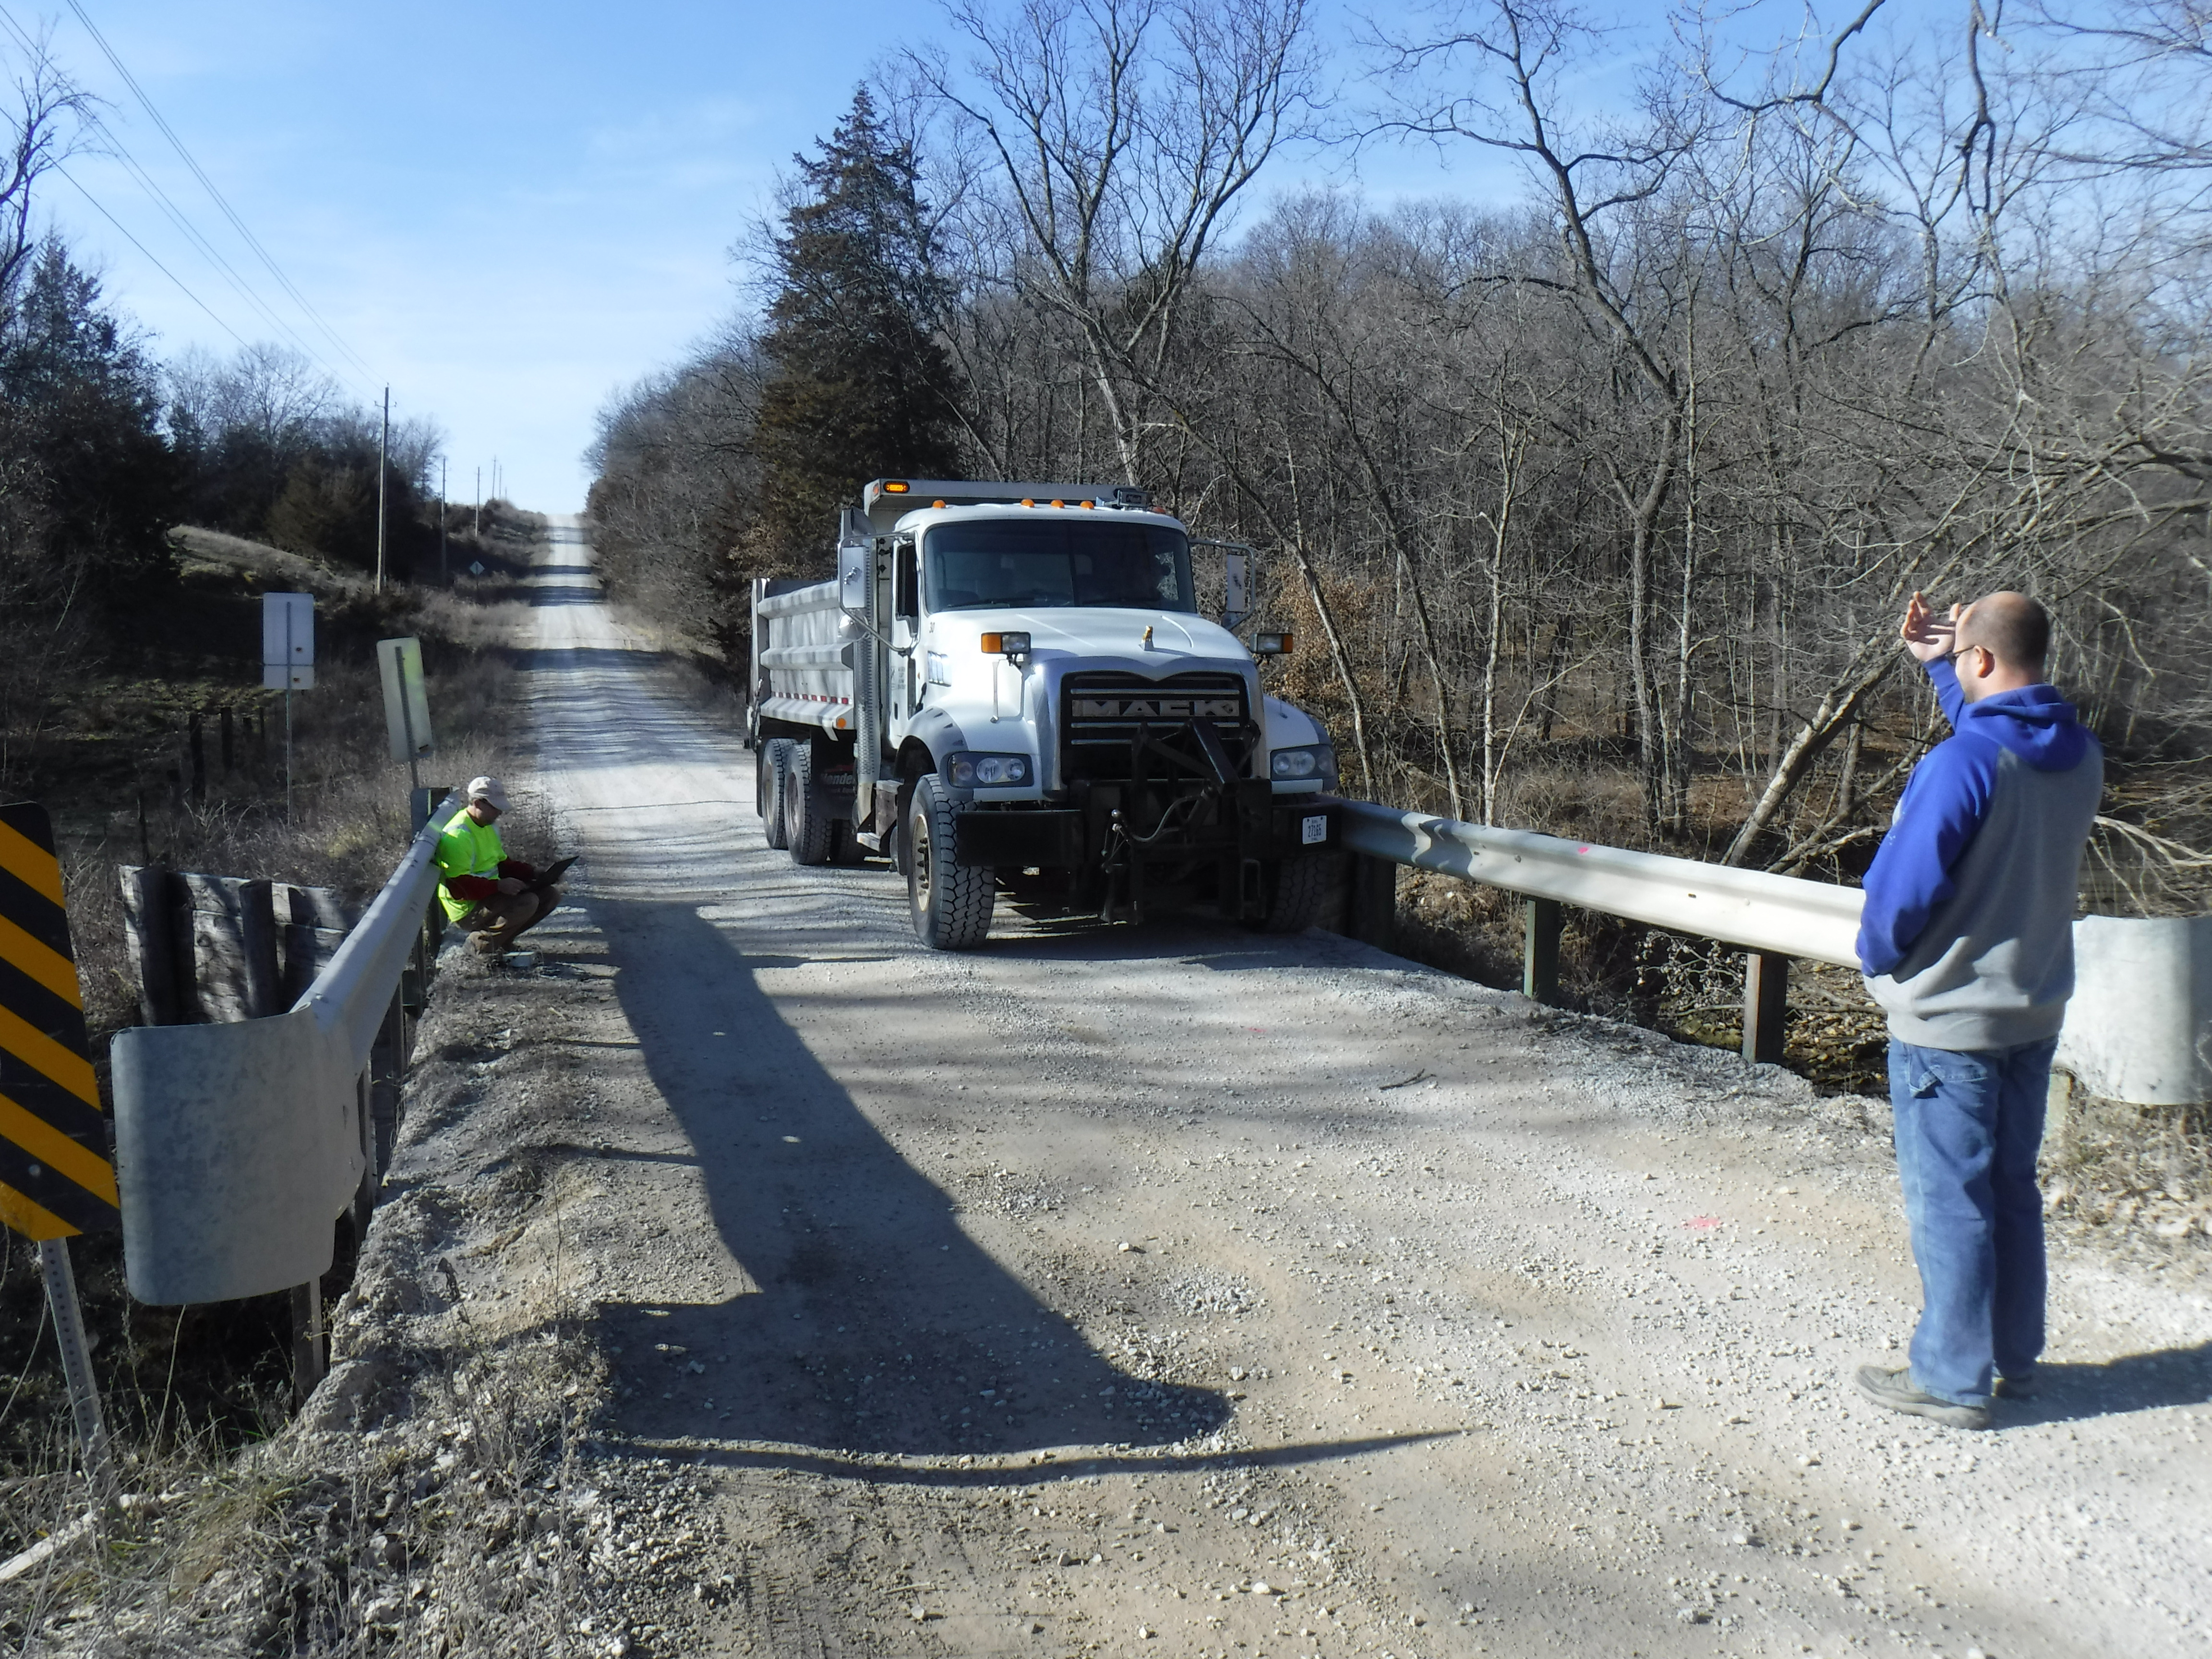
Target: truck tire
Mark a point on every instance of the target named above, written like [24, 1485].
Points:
[806, 808]
[1297, 889]
[772, 775]
[951, 901]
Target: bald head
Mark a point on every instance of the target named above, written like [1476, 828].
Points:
[2012, 628]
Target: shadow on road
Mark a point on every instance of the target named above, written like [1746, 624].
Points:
[546, 593]
[879, 1326]
[2132, 1383]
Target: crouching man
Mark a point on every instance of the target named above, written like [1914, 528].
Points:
[487, 894]
[1967, 943]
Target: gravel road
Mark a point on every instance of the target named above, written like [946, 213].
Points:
[1173, 1290]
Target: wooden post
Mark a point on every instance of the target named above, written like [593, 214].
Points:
[1373, 902]
[197, 740]
[229, 748]
[372, 1161]
[257, 928]
[150, 932]
[1766, 1005]
[1540, 952]
[388, 1065]
[307, 1359]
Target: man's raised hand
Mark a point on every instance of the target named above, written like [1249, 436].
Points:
[1926, 635]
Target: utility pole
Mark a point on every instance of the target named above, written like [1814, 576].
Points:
[479, 501]
[383, 442]
[442, 520]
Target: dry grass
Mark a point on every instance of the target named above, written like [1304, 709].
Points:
[467, 1525]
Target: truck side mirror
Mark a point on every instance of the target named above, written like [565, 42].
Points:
[856, 569]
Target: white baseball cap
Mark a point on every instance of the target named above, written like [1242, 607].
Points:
[487, 789]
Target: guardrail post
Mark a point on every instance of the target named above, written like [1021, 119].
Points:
[1766, 1005]
[1540, 954]
[387, 1063]
[306, 1339]
[1373, 901]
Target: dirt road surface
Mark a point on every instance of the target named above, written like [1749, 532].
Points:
[1172, 1290]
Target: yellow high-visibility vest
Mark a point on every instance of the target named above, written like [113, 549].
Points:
[466, 848]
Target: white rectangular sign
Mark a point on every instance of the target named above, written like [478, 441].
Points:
[1239, 605]
[287, 641]
[407, 705]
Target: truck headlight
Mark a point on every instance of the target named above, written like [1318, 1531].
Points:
[1291, 765]
[987, 771]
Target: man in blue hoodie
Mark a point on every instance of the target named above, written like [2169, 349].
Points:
[1967, 943]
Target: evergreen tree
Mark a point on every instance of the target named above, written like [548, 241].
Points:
[861, 387]
[91, 485]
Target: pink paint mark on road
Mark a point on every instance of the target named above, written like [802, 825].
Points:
[1701, 1222]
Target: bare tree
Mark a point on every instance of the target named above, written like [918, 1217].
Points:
[1123, 132]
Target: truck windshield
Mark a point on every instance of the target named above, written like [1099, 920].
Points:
[1056, 562]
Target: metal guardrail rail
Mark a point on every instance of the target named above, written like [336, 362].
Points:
[239, 1145]
[1772, 918]
[1782, 915]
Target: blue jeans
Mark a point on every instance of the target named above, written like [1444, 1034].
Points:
[1969, 1125]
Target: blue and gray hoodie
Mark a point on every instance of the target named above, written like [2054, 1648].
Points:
[1967, 938]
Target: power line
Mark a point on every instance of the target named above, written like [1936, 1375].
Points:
[143, 249]
[216, 196]
[177, 217]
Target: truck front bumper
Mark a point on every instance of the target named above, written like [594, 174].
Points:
[1263, 826]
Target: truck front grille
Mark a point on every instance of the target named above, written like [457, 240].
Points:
[1101, 713]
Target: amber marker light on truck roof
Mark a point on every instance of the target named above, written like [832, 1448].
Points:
[937, 503]
[896, 487]
[1029, 501]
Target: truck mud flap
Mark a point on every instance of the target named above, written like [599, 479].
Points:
[1017, 840]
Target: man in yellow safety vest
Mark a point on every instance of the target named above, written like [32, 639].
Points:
[484, 892]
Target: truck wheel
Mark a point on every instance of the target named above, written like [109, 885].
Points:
[772, 773]
[951, 903]
[1296, 891]
[805, 812]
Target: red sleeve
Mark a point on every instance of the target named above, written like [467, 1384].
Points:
[474, 888]
[518, 869]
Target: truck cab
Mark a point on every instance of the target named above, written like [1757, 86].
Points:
[1022, 691]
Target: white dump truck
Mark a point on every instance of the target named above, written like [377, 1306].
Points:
[1010, 685]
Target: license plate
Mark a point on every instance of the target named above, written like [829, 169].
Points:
[1313, 832]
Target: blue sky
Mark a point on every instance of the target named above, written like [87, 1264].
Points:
[505, 211]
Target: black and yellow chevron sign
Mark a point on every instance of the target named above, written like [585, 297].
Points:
[55, 1176]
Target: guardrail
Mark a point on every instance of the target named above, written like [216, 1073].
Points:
[2139, 1028]
[239, 1145]
[1773, 918]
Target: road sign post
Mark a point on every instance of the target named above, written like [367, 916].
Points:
[55, 1176]
[288, 660]
[407, 705]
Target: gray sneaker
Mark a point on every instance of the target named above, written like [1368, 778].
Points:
[1895, 1389]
